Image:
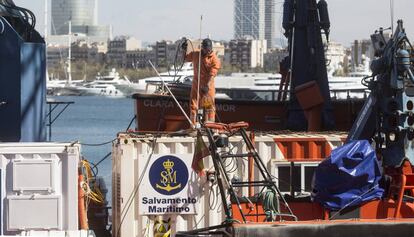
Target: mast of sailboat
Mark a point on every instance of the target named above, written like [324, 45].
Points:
[199, 73]
[46, 35]
[392, 15]
[69, 53]
[46, 16]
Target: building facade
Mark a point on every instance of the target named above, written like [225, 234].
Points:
[272, 59]
[360, 50]
[118, 48]
[247, 53]
[335, 58]
[56, 55]
[165, 51]
[138, 59]
[82, 51]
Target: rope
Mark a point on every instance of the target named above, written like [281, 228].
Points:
[94, 193]
[271, 204]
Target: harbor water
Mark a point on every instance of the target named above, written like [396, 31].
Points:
[94, 121]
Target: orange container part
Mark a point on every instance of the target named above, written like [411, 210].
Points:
[83, 216]
[303, 149]
[249, 211]
[304, 211]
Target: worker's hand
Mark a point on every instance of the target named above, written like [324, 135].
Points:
[204, 90]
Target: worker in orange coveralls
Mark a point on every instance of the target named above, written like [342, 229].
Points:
[210, 65]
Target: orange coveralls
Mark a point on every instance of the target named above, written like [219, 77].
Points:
[210, 65]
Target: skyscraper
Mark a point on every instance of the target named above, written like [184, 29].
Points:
[83, 15]
[80, 12]
[249, 19]
[256, 19]
[270, 23]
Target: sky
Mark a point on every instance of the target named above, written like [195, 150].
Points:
[152, 20]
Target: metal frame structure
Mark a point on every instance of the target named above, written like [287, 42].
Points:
[227, 185]
[53, 105]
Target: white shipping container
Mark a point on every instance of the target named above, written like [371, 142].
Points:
[131, 153]
[39, 187]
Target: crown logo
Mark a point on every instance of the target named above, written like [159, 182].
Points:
[168, 164]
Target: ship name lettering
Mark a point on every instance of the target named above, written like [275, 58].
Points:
[226, 108]
[162, 104]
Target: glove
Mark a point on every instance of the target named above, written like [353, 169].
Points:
[204, 89]
[184, 45]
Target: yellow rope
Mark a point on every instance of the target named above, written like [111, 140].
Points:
[93, 193]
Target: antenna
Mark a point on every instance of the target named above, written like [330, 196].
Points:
[392, 15]
[199, 69]
[46, 18]
[70, 53]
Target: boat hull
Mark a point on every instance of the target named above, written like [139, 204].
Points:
[366, 228]
[160, 113]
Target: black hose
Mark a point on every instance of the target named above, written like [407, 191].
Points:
[177, 53]
[26, 17]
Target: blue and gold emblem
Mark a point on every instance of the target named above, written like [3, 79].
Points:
[168, 175]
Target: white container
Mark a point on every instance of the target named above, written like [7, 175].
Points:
[131, 152]
[39, 187]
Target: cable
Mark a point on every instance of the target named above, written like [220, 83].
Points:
[130, 123]
[177, 53]
[99, 162]
[213, 203]
[26, 16]
[147, 228]
[94, 193]
[366, 82]
[98, 144]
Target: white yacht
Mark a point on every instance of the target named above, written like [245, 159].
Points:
[59, 87]
[149, 85]
[109, 85]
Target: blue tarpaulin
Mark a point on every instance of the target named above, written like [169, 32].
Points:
[349, 177]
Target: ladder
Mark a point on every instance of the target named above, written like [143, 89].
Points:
[226, 184]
